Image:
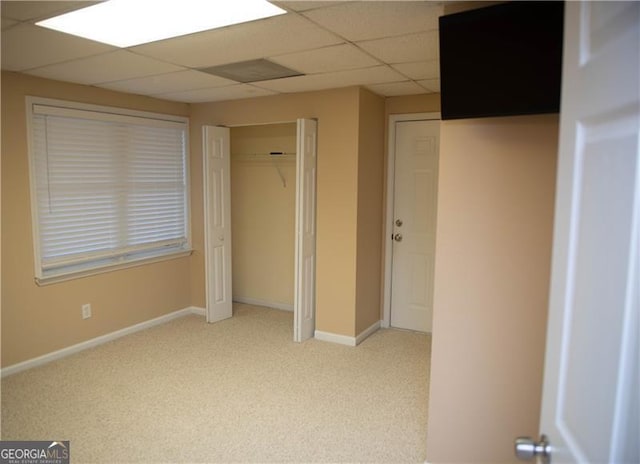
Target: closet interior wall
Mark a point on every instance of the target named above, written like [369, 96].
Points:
[263, 195]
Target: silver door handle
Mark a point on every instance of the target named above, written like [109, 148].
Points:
[397, 237]
[526, 449]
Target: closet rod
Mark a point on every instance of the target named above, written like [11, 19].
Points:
[264, 155]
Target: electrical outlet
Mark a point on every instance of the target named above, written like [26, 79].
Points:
[86, 311]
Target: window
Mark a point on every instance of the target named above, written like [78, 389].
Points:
[109, 187]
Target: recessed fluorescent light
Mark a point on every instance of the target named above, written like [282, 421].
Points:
[125, 23]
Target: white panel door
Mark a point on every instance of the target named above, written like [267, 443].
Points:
[591, 395]
[217, 212]
[414, 224]
[305, 253]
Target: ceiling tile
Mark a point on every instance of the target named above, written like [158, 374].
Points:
[432, 85]
[29, 10]
[257, 39]
[419, 69]
[327, 59]
[394, 89]
[394, 51]
[109, 67]
[7, 23]
[168, 83]
[26, 46]
[374, 75]
[304, 5]
[371, 20]
[232, 92]
[406, 48]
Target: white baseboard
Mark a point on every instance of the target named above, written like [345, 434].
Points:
[64, 352]
[268, 304]
[345, 339]
[197, 311]
[334, 338]
[367, 332]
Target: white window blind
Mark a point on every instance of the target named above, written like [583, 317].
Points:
[110, 189]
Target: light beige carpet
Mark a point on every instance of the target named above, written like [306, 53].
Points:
[236, 391]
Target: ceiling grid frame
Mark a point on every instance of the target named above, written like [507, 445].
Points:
[330, 56]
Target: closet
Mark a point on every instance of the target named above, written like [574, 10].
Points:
[263, 202]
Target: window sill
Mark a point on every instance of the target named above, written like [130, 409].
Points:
[73, 275]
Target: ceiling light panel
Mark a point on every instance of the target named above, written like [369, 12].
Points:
[125, 23]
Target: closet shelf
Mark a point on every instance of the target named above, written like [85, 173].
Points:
[267, 159]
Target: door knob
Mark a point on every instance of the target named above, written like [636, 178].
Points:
[399, 222]
[526, 449]
[397, 237]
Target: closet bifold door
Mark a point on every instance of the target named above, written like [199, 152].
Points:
[217, 212]
[305, 247]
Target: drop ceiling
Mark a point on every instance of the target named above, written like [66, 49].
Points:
[389, 47]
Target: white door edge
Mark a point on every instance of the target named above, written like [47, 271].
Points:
[590, 408]
[388, 227]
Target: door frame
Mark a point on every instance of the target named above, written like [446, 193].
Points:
[299, 211]
[389, 195]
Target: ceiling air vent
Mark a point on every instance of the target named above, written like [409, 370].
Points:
[251, 71]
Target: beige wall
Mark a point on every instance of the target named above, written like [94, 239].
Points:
[370, 210]
[427, 103]
[458, 7]
[338, 128]
[493, 247]
[495, 208]
[263, 212]
[38, 320]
